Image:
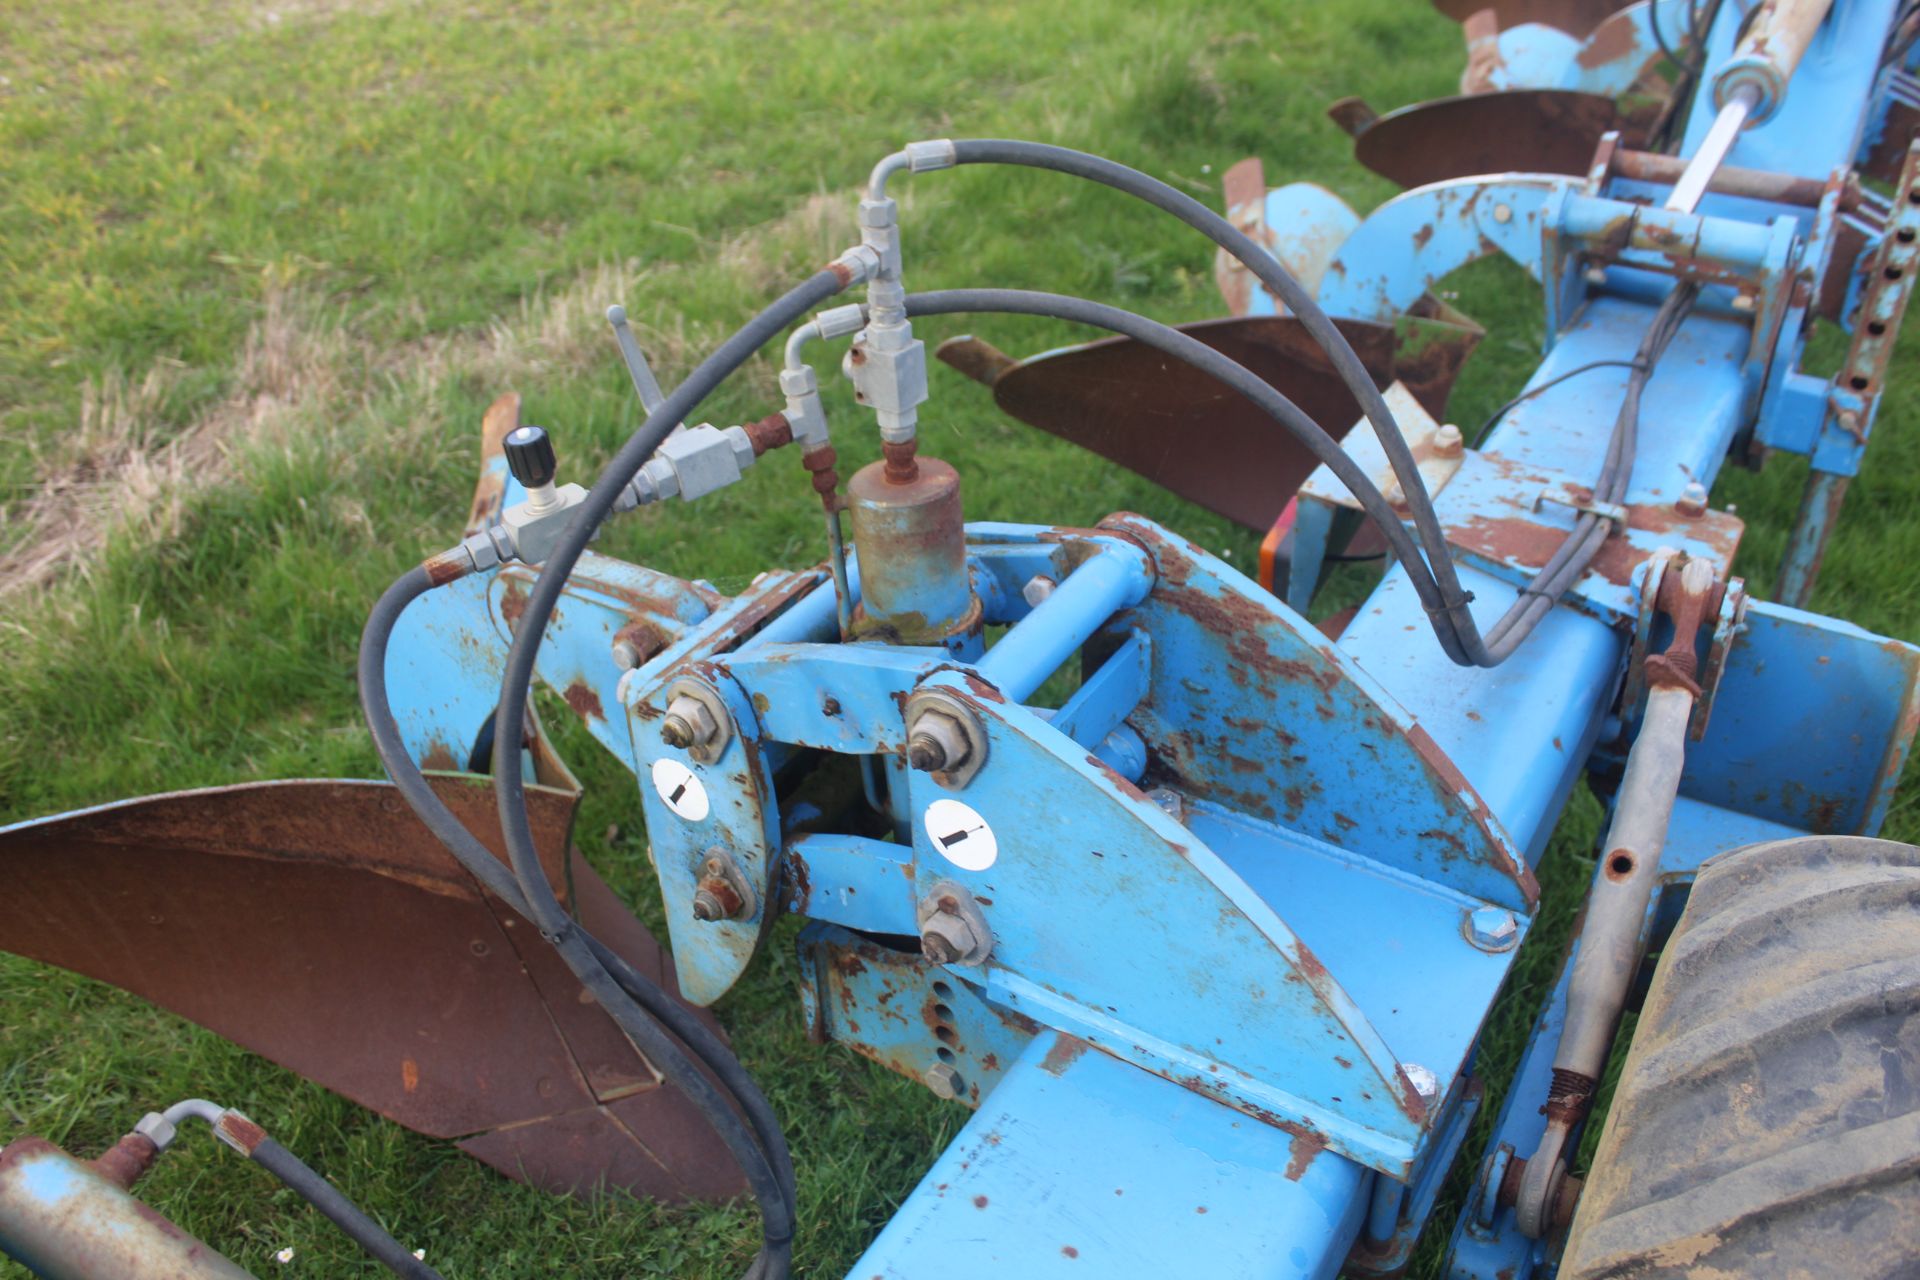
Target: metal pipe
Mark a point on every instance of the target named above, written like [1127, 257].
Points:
[1733, 180]
[1610, 938]
[1383, 1209]
[1623, 883]
[837, 562]
[1713, 150]
[1033, 648]
[65, 1219]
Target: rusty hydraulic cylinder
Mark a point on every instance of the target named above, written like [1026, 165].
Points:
[1750, 86]
[911, 539]
[1611, 934]
[1775, 37]
[68, 1219]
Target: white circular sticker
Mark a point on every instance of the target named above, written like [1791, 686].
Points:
[961, 835]
[680, 788]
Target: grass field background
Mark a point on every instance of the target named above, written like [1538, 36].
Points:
[265, 264]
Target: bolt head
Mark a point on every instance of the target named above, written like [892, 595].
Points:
[943, 1080]
[1424, 1082]
[1038, 588]
[1492, 929]
[1447, 441]
[1692, 500]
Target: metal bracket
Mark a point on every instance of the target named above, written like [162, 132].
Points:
[1728, 622]
[1613, 513]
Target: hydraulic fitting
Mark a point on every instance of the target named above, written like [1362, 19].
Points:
[887, 364]
[533, 526]
[694, 463]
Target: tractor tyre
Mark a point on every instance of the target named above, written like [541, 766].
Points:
[1767, 1120]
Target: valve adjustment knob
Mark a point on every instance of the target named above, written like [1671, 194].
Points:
[530, 456]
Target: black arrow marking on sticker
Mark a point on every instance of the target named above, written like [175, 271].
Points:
[947, 842]
[677, 793]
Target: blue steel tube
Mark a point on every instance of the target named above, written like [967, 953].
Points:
[1033, 648]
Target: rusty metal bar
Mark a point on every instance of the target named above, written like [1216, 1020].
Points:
[1732, 180]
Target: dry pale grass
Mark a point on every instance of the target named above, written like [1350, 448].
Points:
[305, 376]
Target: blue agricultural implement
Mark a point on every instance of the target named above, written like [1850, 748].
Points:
[1208, 947]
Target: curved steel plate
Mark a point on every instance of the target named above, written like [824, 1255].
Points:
[1575, 17]
[318, 924]
[1176, 426]
[1512, 131]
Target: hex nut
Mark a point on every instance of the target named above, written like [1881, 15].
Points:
[688, 724]
[945, 738]
[1692, 501]
[946, 939]
[157, 1129]
[1037, 588]
[1448, 442]
[1492, 929]
[953, 930]
[697, 721]
[722, 891]
[936, 741]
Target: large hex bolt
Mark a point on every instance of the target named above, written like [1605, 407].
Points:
[1492, 929]
[696, 721]
[943, 1080]
[952, 928]
[944, 737]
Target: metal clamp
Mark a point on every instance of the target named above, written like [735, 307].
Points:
[1613, 513]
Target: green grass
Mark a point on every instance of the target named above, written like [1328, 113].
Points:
[277, 259]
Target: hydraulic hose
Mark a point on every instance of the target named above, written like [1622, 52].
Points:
[705, 1045]
[777, 1211]
[765, 1145]
[253, 1142]
[349, 1217]
[1192, 351]
[1434, 579]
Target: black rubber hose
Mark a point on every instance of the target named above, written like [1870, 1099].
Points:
[1590, 532]
[479, 861]
[777, 1213]
[1190, 350]
[1434, 579]
[346, 1215]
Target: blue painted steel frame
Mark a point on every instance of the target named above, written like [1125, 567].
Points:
[1182, 1049]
